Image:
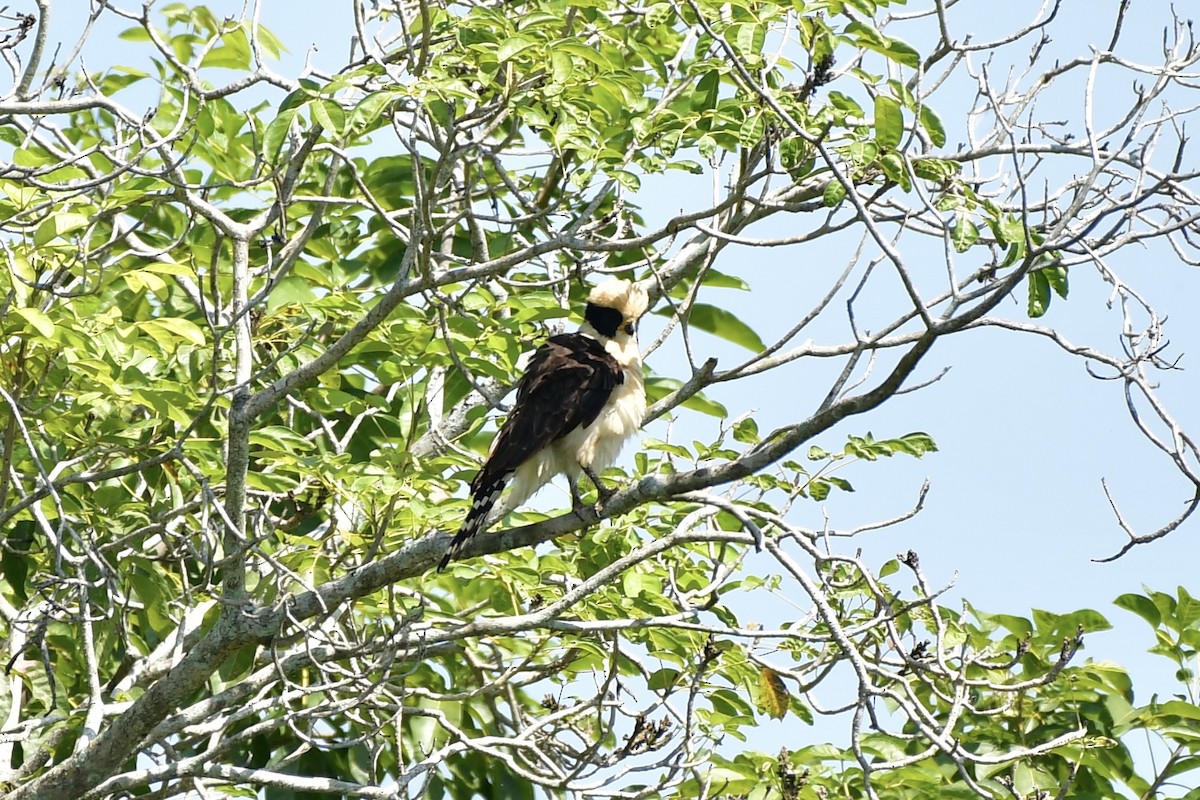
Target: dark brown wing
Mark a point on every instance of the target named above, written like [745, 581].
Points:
[565, 386]
[567, 383]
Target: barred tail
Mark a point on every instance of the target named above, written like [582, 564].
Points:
[485, 498]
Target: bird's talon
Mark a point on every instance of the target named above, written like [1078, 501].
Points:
[603, 495]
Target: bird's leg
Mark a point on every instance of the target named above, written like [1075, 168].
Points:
[602, 490]
[577, 504]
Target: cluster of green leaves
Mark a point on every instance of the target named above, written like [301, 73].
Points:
[858, 448]
[1011, 234]
[1097, 697]
[795, 479]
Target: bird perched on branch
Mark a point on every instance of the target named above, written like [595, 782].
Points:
[580, 398]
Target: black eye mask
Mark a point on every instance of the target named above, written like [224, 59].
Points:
[604, 320]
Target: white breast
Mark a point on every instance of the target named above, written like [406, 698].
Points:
[598, 445]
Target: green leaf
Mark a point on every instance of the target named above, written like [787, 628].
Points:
[1010, 230]
[867, 447]
[562, 67]
[722, 323]
[126, 192]
[170, 268]
[329, 115]
[170, 332]
[1012, 255]
[135, 34]
[938, 170]
[58, 225]
[862, 154]
[914, 444]
[707, 88]
[818, 489]
[893, 168]
[1057, 278]
[749, 39]
[889, 122]
[964, 234]
[232, 53]
[577, 48]
[279, 439]
[751, 131]
[667, 447]
[795, 155]
[932, 124]
[719, 280]
[746, 431]
[702, 403]
[1187, 610]
[659, 14]
[835, 192]
[865, 35]
[633, 584]
[271, 482]
[1039, 294]
[276, 132]
[37, 320]
[662, 679]
[840, 483]
[373, 109]
[732, 782]
[31, 156]
[513, 46]
[628, 180]
[844, 102]
[171, 405]
[658, 387]
[902, 52]
[730, 704]
[139, 280]
[949, 201]
[1056, 626]
[278, 129]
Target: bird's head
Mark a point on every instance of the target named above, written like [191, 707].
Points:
[614, 308]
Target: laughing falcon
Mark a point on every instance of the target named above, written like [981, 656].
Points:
[580, 398]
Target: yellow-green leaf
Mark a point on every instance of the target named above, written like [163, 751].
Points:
[37, 320]
[512, 46]
[170, 268]
[172, 331]
[139, 279]
[57, 225]
[775, 697]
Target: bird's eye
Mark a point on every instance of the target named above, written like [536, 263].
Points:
[630, 327]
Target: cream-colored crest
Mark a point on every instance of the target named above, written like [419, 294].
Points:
[625, 296]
